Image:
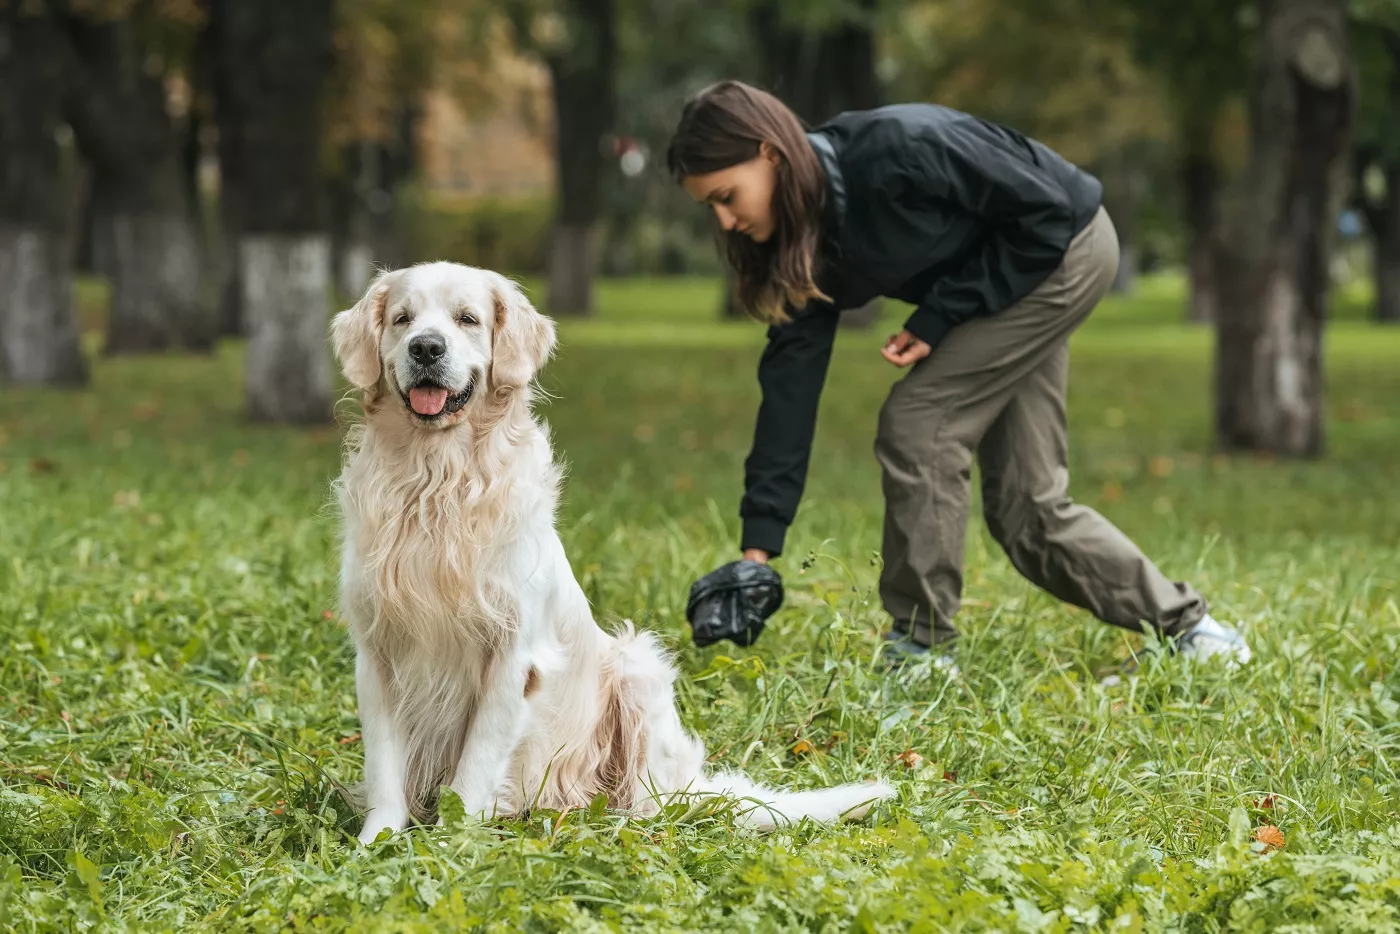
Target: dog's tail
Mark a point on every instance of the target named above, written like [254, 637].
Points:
[768, 808]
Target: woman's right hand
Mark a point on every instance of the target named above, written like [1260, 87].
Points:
[756, 554]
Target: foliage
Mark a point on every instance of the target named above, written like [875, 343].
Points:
[1058, 71]
[177, 712]
[500, 233]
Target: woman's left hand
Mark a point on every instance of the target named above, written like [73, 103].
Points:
[904, 348]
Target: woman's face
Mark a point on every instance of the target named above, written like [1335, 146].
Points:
[741, 195]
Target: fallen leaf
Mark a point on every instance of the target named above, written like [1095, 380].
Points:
[1270, 836]
[910, 759]
[347, 740]
[803, 748]
[1267, 802]
[950, 776]
[42, 465]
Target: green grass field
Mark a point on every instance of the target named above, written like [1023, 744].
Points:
[177, 707]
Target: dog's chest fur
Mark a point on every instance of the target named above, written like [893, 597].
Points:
[431, 540]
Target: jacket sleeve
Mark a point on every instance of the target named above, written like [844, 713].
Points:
[1029, 216]
[791, 374]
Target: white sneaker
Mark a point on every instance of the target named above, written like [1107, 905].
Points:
[1207, 639]
[1211, 639]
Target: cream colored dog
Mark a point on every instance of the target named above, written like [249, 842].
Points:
[478, 663]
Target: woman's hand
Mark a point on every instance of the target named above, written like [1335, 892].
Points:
[756, 554]
[904, 348]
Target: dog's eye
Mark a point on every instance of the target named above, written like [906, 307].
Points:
[401, 319]
[466, 318]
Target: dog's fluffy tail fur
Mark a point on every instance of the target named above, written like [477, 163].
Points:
[767, 808]
[642, 676]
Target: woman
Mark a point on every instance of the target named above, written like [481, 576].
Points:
[1003, 248]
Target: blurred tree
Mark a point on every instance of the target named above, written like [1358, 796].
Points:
[1376, 155]
[271, 63]
[1061, 71]
[38, 328]
[577, 40]
[818, 57]
[1199, 49]
[1275, 272]
[389, 54]
[143, 221]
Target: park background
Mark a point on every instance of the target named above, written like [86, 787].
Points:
[186, 183]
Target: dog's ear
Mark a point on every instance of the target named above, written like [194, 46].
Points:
[355, 333]
[523, 339]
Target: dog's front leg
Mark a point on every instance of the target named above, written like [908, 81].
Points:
[386, 761]
[496, 731]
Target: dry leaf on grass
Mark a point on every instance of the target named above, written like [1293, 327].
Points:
[1270, 836]
[910, 759]
[802, 748]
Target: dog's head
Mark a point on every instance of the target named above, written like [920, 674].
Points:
[437, 336]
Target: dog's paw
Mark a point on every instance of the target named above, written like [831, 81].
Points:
[378, 825]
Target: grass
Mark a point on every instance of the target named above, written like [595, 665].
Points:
[177, 709]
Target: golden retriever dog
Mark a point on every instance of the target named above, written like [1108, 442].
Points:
[478, 662]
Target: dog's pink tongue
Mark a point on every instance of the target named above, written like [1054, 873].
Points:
[427, 400]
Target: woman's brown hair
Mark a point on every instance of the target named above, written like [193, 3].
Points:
[725, 125]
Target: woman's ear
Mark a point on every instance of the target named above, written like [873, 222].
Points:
[770, 152]
[522, 340]
[355, 334]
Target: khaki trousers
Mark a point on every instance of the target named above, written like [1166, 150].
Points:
[996, 386]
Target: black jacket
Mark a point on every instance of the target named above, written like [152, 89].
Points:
[955, 215]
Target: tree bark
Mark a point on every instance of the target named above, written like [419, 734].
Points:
[1385, 239]
[1274, 274]
[1122, 196]
[1382, 216]
[820, 74]
[286, 274]
[143, 222]
[272, 59]
[1201, 187]
[39, 342]
[583, 74]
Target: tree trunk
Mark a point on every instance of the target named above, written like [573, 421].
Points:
[1123, 186]
[585, 109]
[1383, 223]
[271, 62]
[1385, 237]
[39, 341]
[820, 74]
[1200, 183]
[144, 229]
[287, 277]
[1275, 272]
[38, 327]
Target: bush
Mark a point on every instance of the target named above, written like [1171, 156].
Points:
[508, 234]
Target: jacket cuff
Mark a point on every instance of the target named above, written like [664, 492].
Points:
[928, 326]
[764, 532]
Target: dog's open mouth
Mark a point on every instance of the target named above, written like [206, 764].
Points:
[430, 401]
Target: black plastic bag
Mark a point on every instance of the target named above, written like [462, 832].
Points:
[733, 602]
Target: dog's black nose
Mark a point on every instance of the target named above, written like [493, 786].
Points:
[425, 348]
